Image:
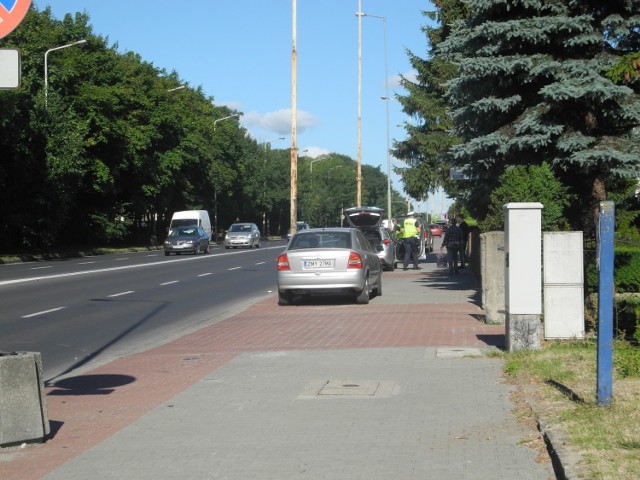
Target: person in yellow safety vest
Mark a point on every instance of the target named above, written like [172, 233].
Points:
[410, 234]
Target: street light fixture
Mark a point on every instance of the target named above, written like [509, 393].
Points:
[314, 161]
[215, 122]
[46, 71]
[177, 88]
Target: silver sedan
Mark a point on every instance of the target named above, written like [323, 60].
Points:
[242, 235]
[329, 261]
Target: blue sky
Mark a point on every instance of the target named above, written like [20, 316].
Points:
[239, 51]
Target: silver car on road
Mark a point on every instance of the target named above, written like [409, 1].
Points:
[329, 261]
[242, 235]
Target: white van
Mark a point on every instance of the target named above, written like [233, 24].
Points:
[191, 217]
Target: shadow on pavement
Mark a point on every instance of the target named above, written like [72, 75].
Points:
[90, 384]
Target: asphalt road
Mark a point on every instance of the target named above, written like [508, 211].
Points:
[81, 312]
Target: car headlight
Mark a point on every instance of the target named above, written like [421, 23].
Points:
[226, 237]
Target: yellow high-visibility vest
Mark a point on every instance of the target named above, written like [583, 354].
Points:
[410, 229]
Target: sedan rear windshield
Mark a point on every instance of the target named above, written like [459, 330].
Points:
[321, 240]
[240, 228]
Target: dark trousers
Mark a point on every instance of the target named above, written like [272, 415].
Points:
[410, 251]
[452, 256]
[463, 254]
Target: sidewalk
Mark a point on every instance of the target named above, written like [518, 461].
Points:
[395, 389]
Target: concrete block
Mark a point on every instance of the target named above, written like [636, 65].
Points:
[523, 332]
[492, 275]
[23, 411]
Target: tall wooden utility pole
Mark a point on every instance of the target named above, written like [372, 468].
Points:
[359, 171]
[294, 109]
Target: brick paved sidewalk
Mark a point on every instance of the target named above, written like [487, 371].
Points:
[418, 310]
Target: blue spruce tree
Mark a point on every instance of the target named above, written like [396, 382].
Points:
[532, 87]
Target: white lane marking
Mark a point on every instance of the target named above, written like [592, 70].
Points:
[125, 267]
[121, 259]
[39, 268]
[43, 312]
[121, 293]
[86, 263]
[205, 274]
[169, 283]
[234, 268]
[261, 263]
[150, 255]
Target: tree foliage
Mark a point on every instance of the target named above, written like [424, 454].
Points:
[538, 81]
[528, 183]
[116, 148]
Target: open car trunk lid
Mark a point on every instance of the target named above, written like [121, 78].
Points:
[364, 217]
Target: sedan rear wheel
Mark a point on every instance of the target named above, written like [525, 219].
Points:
[363, 297]
[284, 298]
[378, 288]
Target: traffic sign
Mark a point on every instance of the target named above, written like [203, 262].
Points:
[9, 68]
[11, 14]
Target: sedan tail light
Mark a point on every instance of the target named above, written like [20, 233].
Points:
[283, 262]
[386, 241]
[355, 260]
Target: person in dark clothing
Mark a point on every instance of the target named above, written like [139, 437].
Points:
[395, 229]
[452, 240]
[465, 239]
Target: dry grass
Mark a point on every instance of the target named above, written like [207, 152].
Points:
[560, 382]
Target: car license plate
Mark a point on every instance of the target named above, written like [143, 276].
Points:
[319, 263]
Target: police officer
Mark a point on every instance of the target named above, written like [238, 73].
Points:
[410, 231]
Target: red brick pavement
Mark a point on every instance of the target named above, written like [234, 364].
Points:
[83, 419]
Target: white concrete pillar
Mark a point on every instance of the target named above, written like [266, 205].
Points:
[523, 274]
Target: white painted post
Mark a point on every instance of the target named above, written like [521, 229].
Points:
[523, 274]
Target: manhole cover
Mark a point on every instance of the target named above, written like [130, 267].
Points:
[334, 387]
[350, 389]
[458, 352]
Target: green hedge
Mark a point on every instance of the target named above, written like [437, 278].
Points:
[626, 271]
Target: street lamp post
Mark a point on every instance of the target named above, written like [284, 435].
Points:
[314, 161]
[329, 182]
[359, 159]
[215, 191]
[46, 70]
[264, 187]
[386, 99]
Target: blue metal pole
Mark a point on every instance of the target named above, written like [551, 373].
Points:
[605, 302]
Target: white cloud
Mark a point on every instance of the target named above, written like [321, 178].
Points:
[312, 152]
[279, 121]
[411, 75]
